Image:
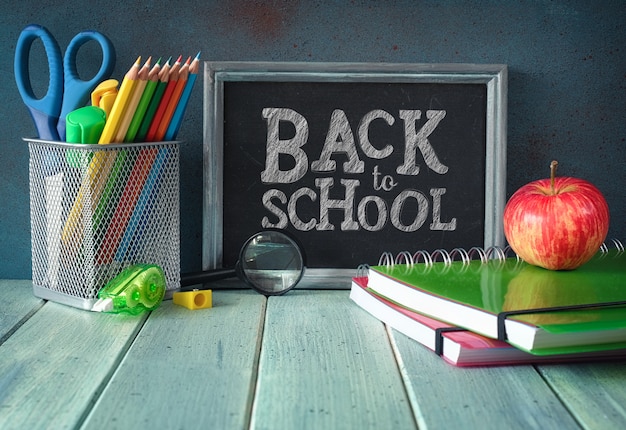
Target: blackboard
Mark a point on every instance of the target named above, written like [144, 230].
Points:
[353, 159]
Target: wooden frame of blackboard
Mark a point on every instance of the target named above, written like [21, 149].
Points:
[216, 74]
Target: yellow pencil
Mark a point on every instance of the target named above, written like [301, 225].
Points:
[121, 102]
[100, 166]
[131, 106]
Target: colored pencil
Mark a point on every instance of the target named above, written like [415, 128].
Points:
[153, 79]
[101, 164]
[183, 75]
[169, 90]
[177, 118]
[164, 75]
[116, 175]
[93, 185]
[133, 101]
[144, 212]
[120, 105]
[123, 211]
[136, 179]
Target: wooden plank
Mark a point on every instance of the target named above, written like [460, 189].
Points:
[445, 396]
[594, 392]
[326, 364]
[18, 303]
[188, 369]
[55, 364]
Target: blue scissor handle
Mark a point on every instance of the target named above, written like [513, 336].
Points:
[77, 91]
[44, 111]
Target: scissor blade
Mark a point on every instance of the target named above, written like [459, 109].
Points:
[45, 124]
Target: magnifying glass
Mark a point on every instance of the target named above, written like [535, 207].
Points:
[271, 262]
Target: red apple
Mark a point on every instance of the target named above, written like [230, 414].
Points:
[557, 223]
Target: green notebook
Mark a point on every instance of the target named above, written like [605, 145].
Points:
[511, 300]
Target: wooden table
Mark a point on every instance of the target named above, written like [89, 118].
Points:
[308, 359]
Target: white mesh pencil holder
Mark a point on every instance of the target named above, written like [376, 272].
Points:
[97, 209]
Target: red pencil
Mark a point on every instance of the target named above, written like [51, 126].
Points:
[173, 102]
[169, 90]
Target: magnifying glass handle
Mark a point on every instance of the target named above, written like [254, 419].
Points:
[206, 276]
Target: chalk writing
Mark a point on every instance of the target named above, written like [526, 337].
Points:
[340, 140]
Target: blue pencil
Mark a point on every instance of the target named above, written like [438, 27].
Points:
[177, 117]
[145, 209]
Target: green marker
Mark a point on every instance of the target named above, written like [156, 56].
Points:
[83, 125]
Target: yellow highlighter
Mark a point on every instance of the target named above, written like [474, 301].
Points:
[104, 95]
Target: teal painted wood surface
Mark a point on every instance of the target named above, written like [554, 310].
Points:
[513, 397]
[52, 368]
[188, 369]
[324, 366]
[594, 392]
[308, 359]
[17, 303]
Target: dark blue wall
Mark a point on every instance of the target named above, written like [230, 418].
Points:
[567, 77]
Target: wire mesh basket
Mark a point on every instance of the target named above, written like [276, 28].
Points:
[97, 209]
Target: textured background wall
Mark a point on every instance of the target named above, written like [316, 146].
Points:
[567, 77]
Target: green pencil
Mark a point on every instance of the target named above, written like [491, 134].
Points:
[144, 101]
[108, 198]
[154, 102]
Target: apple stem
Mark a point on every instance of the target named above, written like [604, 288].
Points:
[553, 166]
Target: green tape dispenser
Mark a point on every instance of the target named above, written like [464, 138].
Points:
[136, 289]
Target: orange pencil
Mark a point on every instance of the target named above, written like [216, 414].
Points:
[173, 102]
[177, 119]
[158, 116]
[133, 101]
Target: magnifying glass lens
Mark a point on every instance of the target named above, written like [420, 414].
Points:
[271, 262]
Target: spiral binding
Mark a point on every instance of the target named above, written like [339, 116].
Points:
[447, 257]
[604, 248]
[492, 253]
[362, 271]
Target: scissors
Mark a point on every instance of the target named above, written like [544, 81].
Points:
[66, 91]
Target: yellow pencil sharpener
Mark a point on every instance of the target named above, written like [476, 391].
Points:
[195, 299]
